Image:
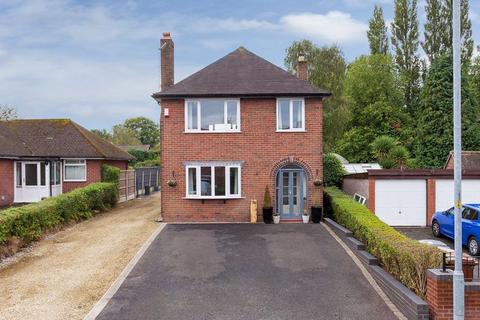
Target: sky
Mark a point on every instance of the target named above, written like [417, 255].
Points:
[97, 62]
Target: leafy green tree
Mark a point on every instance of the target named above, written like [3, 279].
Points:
[372, 92]
[434, 27]
[145, 129]
[333, 171]
[405, 44]
[434, 137]
[102, 133]
[122, 135]
[475, 78]
[377, 32]
[326, 69]
[465, 29]
[389, 153]
[8, 113]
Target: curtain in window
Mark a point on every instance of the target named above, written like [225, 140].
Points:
[75, 172]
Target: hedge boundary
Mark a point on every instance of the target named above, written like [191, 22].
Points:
[22, 225]
[405, 259]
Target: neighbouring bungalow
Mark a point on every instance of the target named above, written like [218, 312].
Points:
[47, 157]
[231, 129]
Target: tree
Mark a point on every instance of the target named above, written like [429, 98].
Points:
[465, 29]
[122, 135]
[102, 133]
[405, 44]
[434, 138]
[434, 27]
[389, 153]
[333, 170]
[146, 130]
[8, 113]
[377, 32]
[475, 78]
[371, 90]
[326, 69]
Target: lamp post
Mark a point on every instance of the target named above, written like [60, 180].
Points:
[458, 280]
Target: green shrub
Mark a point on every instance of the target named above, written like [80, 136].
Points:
[267, 198]
[148, 163]
[332, 170]
[110, 173]
[405, 259]
[31, 221]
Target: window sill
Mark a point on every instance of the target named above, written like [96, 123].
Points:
[212, 198]
[290, 131]
[232, 131]
[74, 180]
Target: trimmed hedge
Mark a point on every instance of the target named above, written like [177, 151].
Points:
[110, 173]
[30, 222]
[404, 258]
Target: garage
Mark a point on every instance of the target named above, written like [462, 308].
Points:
[401, 202]
[444, 193]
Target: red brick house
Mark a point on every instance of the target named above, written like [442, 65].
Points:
[42, 158]
[233, 128]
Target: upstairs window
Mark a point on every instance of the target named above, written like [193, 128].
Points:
[212, 115]
[213, 180]
[290, 114]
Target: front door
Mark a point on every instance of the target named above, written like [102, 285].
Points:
[31, 182]
[291, 195]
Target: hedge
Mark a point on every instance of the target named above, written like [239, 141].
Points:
[404, 258]
[30, 222]
[110, 173]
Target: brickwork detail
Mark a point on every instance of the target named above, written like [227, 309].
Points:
[6, 182]
[258, 144]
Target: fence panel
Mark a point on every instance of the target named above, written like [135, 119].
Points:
[147, 178]
[126, 185]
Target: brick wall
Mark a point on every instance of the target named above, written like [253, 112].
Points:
[440, 296]
[6, 182]
[258, 145]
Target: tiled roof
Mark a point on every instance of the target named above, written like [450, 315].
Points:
[241, 73]
[54, 138]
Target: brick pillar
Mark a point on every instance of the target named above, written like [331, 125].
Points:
[440, 294]
[371, 194]
[431, 205]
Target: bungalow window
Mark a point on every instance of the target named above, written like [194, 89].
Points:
[212, 115]
[75, 170]
[213, 181]
[290, 115]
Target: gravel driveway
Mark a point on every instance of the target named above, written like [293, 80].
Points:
[63, 276]
[243, 271]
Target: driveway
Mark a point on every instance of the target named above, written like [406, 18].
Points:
[243, 271]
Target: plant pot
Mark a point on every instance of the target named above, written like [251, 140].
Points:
[316, 214]
[305, 218]
[276, 219]
[267, 215]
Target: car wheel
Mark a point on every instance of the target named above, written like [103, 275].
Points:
[436, 229]
[473, 246]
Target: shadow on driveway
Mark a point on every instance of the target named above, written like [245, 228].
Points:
[244, 271]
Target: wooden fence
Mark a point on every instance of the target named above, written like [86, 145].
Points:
[126, 185]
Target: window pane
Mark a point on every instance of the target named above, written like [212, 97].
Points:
[206, 179]
[57, 173]
[42, 173]
[192, 115]
[297, 114]
[234, 181]
[219, 181]
[31, 178]
[213, 114]
[19, 174]
[284, 114]
[192, 181]
[74, 161]
[232, 115]
[74, 172]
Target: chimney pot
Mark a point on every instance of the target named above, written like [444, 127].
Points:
[166, 62]
[302, 68]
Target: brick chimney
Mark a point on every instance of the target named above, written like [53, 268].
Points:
[166, 61]
[302, 70]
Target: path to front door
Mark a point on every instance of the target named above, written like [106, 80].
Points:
[240, 271]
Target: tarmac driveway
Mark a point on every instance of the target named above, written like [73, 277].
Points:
[244, 271]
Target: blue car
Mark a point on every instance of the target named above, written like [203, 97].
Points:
[443, 225]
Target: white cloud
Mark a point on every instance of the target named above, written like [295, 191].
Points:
[334, 26]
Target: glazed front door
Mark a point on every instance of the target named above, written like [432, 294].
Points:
[291, 194]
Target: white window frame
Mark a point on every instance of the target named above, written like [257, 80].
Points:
[212, 166]
[199, 115]
[291, 128]
[359, 198]
[65, 165]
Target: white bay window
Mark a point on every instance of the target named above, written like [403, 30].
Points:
[213, 180]
[212, 115]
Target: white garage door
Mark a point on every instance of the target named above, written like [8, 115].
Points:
[444, 193]
[401, 202]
